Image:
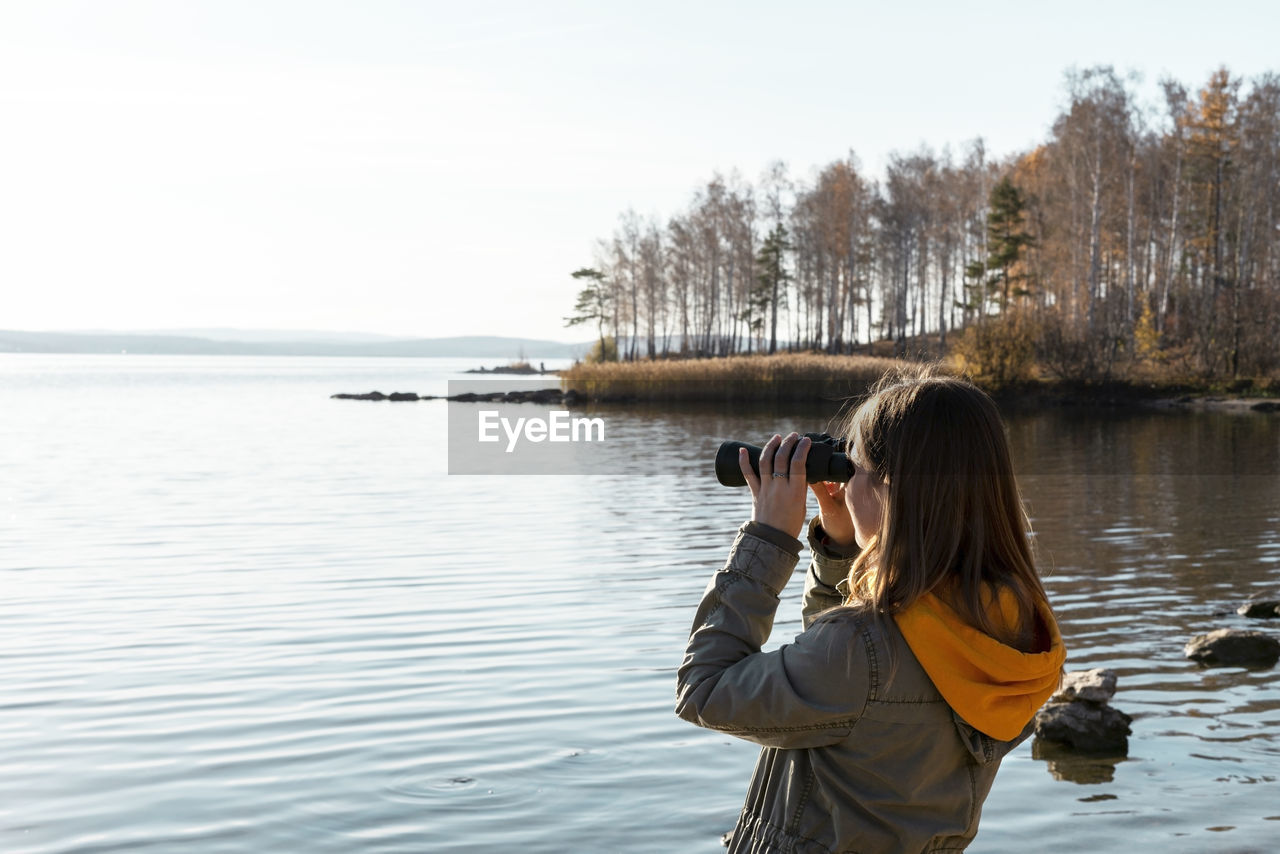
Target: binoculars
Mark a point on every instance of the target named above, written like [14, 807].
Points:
[827, 460]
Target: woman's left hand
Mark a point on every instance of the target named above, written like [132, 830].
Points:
[778, 494]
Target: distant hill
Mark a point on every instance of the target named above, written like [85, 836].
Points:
[226, 333]
[289, 343]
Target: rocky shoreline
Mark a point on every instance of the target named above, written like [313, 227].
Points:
[1218, 404]
[544, 396]
[1124, 396]
[1236, 405]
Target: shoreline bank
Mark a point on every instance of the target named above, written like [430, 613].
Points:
[1041, 400]
[807, 379]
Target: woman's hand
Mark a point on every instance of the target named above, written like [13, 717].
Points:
[777, 495]
[833, 512]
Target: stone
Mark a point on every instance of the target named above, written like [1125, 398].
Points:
[373, 395]
[1266, 406]
[474, 397]
[1085, 727]
[1095, 686]
[540, 396]
[546, 395]
[1234, 647]
[1260, 609]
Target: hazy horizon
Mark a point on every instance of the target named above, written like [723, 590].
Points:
[284, 343]
[216, 333]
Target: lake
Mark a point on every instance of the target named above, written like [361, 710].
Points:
[238, 615]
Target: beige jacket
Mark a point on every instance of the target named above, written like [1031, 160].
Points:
[861, 753]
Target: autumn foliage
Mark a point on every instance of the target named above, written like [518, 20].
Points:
[1137, 240]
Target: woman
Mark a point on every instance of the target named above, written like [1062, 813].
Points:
[928, 642]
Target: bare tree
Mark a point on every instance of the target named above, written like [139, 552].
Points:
[1144, 231]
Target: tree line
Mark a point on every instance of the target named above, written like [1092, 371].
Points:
[1133, 232]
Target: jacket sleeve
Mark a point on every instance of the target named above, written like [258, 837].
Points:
[824, 582]
[808, 693]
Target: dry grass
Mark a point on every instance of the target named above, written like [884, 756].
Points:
[824, 381]
[781, 377]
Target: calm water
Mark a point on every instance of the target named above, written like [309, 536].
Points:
[240, 616]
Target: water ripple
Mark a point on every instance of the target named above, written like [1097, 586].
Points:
[262, 620]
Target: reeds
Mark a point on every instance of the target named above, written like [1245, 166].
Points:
[789, 377]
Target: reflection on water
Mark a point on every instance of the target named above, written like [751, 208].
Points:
[238, 615]
[1073, 767]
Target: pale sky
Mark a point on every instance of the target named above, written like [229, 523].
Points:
[429, 169]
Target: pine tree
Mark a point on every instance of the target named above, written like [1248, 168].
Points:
[1003, 274]
[772, 278]
[595, 303]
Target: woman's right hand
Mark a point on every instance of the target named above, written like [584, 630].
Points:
[833, 513]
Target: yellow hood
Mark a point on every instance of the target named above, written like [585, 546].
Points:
[995, 688]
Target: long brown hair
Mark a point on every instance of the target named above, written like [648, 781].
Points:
[953, 521]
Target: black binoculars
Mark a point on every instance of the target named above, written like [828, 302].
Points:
[827, 460]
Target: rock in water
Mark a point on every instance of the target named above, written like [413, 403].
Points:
[1260, 609]
[372, 395]
[1084, 726]
[1095, 686]
[1233, 646]
[1078, 717]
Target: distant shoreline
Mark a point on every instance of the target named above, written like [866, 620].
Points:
[460, 347]
[519, 369]
[561, 397]
[815, 379]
